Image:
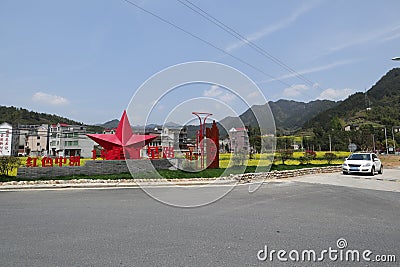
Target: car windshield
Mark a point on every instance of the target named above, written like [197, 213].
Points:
[359, 157]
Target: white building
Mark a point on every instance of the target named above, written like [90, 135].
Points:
[70, 140]
[174, 136]
[239, 140]
[36, 141]
[8, 140]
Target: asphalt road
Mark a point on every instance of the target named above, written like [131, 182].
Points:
[125, 227]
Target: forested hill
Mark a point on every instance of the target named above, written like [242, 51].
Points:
[17, 116]
[289, 115]
[379, 106]
[292, 115]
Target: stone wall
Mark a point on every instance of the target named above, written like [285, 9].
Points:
[247, 177]
[240, 178]
[95, 167]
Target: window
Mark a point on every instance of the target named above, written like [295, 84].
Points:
[70, 143]
[68, 135]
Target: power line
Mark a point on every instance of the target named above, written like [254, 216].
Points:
[205, 41]
[240, 37]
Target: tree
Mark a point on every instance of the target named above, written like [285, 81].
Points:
[284, 155]
[329, 157]
[254, 138]
[308, 156]
[336, 124]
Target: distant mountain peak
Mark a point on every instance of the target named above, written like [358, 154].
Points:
[382, 101]
[288, 114]
[109, 124]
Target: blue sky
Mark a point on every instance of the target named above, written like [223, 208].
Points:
[85, 59]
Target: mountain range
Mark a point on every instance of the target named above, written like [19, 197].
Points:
[289, 115]
[379, 105]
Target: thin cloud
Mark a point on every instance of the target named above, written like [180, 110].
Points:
[295, 90]
[391, 37]
[218, 93]
[227, 98]
[49, 99]
[254, 94]
[214, 91]
[380, 35]
[271, 28]
[335, 94]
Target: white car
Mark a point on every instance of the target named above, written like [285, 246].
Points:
[362, 163]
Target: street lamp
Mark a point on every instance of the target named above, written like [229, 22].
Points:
[394, 141]
[202, 133]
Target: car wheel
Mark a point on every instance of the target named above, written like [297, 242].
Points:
[345, 173]
[381, 170]
[372, 171]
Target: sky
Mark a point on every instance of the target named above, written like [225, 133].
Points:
[86, 59]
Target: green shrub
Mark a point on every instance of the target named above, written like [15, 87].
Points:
[8, 163]
[329, 157]
[284, 155]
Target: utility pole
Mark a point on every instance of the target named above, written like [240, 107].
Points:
[387, 150]
[330, 144]
[373, 142]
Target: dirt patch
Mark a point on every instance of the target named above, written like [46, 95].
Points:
[390, 161]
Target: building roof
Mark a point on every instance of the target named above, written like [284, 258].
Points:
[238, 129]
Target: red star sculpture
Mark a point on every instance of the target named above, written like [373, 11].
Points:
[124, 143]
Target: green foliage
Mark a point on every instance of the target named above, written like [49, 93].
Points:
[284, 155]
[330, 157]
[17, 116]
[285, 142]
[367, 125]
[8, 163]
[308, 156]
[337, 124]
[291, 115]
[383, 99]
[254, 134]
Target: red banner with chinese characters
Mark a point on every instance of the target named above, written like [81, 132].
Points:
[32, 162]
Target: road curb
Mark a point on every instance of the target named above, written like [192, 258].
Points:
[93, 183]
